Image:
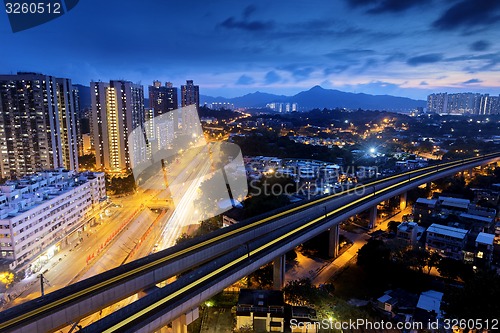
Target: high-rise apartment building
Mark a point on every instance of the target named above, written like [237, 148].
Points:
[37, 124]
[190, 98]
[117, 109]
[463, 103]
[190, 94]
[163, 101]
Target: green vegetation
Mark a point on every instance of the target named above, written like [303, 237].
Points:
[86, 162]
[120, 185]
[268, 143]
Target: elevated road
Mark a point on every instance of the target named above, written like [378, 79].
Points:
[222, 258]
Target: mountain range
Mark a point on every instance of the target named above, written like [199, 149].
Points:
[316, 97]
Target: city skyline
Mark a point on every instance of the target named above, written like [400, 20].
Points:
[405, 49]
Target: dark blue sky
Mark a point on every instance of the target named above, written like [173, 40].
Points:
[400, 47]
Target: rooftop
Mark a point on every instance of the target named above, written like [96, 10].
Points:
[430, 301]
[425, 201]
[447, 231]
[261, 298]
[484, 238]
[476, 217]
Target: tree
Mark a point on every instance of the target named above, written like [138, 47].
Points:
[209, 225]
[86, 162]
[374, 255]
[453, 269]
[416, 259]
[7, 278]
[392, 226]
[301, 292]
[478, 299]
[263, 277]
[183, 238]
[433, 261]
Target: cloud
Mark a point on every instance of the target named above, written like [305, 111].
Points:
[232, 23]
[272, 77]
[471, 81]
[245, 80]
[349, 53]
[480, 45]
[423, 83]
[425, 59]
[298, 72]
[478, 63]
[248, 11]
[468, 14]
[386, 6]
[335, 69]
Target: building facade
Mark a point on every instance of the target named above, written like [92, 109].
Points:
[162, 116]
[38, 128]
[190, 101]
[38, 211]
[463, 103]
[447, 241]
[117, 109]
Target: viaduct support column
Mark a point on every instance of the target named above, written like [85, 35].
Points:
[470, 172]
[373, 217]
[402, 200]
[279, 272]
[179, 325]
[333, 241]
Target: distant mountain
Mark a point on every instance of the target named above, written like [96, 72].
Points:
[318, 97]
[256, 99]
[84, 92]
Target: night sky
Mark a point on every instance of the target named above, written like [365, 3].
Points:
[399, 47]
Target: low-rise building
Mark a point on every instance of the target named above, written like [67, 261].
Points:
[428, 306]
[484, 249]
[447, 241]
[38, 211]
[410, 232]
[261, 310]
[304, 320]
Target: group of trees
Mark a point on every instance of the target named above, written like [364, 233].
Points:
[86, 162]
[268, 143]
[120, 185]
[206, 226]
[377, 254]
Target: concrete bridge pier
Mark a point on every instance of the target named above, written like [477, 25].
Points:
[373, 217]
[471, 172]
[333, 241]
[403, 200]
[180, 324]
[279, 272]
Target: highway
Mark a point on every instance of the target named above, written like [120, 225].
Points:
[288, 223]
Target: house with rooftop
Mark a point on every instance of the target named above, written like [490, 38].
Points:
[410, 233]
[484, 249]
[261, 310]
[445, 240]
[424, 207]
[428, 306]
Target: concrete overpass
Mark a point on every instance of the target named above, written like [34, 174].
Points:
[221, 259]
